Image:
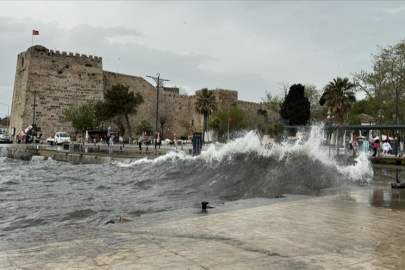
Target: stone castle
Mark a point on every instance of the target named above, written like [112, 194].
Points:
[59, 80]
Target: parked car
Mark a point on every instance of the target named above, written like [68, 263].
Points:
[4, 138]
[59, 138]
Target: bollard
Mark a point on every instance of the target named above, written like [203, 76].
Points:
[120, 148]
[98, 146]
[204, 205]
[146, 148]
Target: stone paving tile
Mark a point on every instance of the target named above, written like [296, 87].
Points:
[319, 233]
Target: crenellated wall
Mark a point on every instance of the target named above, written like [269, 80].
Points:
[60, 80]
[57, 81]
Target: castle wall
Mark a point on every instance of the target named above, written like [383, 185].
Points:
[59, 81]
[17, 112]
[178, 110]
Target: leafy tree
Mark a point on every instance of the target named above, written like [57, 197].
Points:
[273, 102]
[220, 118]
[362, 106]
[145, 126]
[81, 118]
[318, 112]
[241, 120]
[119, 121]
[379, 84]
[296, 107]
[338, 96]
[5, 121]
[206, 104]
[119, 101]
[275, 131]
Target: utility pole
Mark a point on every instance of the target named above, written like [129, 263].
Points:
[33, 116]
[159, 83]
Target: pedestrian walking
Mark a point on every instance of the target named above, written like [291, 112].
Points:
[140, 142]
[376, 145]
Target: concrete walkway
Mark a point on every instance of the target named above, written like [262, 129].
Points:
[360, 230]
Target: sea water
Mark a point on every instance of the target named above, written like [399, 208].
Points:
[47, 195]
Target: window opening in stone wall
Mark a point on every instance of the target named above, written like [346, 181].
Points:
[67, 65]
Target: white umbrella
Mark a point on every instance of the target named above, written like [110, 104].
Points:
[370, 136]
[87, 135]
[351, 138]
[108, 132]
[205, 137]
[332, 138]
[209, 136]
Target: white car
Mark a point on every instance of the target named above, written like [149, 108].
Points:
[59, 138]
[4, 138]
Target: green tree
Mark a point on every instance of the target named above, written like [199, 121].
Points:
[362, 106]
[339, 97]
[380, 83]
[241, 120]
[81, 118]
[220, 118]
[275, 131]
[273, 102]
[119, 101]
[5, 121]
[144, 126]
[206, 104]
[296, 107]
[313, 94]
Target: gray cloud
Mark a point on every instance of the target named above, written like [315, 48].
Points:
[245, 46]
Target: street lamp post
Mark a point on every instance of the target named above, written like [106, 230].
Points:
[159, 83]
[8, 112]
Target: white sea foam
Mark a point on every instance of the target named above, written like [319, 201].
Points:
[305, 146]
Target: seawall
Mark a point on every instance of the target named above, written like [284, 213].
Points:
[86, 155]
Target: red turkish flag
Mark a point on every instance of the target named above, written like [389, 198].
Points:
[35, 32]
[230, 120]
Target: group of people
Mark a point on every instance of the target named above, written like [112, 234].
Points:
[386, 147]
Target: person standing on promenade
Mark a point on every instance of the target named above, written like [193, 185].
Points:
[376, 145]
[140, 143]
[386, 148]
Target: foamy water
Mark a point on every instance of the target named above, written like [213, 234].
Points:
[40, 193]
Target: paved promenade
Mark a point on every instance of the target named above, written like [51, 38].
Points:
[357, 230]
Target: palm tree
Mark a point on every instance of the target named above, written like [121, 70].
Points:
[339, 97]
[205, 104]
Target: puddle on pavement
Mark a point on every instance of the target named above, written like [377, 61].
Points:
[382, 195]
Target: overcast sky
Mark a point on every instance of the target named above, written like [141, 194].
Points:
[246, 46]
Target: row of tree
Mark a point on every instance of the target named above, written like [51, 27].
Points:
[383, 87]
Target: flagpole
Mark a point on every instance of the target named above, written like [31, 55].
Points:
[32, 42]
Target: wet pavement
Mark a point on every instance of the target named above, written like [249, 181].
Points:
[347, 228]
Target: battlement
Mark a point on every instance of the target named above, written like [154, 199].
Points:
[38, 49]
[248, 103]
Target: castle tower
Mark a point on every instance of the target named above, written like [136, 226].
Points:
[56, 81]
